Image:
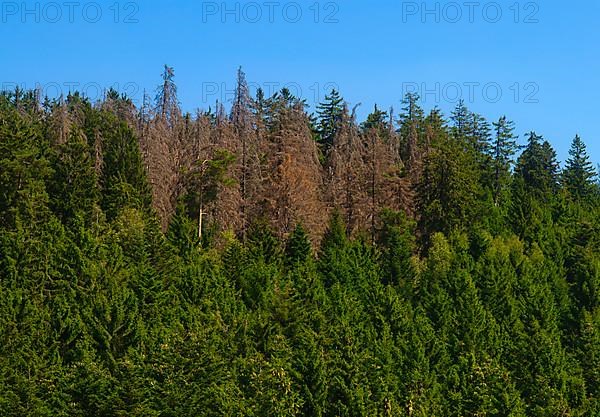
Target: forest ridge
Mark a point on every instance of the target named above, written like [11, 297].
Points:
[268, 261]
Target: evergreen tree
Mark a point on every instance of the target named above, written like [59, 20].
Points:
[537, 166]
[204, 183]
[461, 119]
[298, 248]
[241, 117]
[378, 119]
[262, 242]
[329, 118]
[74, 186]
[124, 181]
[579, 175]
[448, 193]
[502, 151]
[411, 131]
[479, 135]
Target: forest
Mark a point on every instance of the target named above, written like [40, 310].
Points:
[264, 260]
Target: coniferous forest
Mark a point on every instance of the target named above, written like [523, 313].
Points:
[265, 260]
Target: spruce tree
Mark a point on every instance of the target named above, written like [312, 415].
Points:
[579, 175]
[74, 187]
[537, 166]
[502, 151]
[330, 114]
[448, 193]
[204, 182]
[411, 131]
[298, 248]
[461, 120]
[124, 179]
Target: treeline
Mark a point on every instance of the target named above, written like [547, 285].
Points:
[270, 262]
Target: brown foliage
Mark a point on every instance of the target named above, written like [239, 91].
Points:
[293, 192]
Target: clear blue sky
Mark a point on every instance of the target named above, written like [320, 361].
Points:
[539, 66]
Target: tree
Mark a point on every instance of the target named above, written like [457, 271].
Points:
[579, 175]
[242, 119]
[165, 143]
[205, 181]
[461, 119]
[293, 192]
[479, 135]
[298, 249]
[537, 166]
[166, 96]
[399, 245]
[387, 185]
[448, 194]
[24, 169]
[124, 181]
[329, 118]
[74, 187]
[347, 174]
[377, 119]
[411, 132]
[503, 149]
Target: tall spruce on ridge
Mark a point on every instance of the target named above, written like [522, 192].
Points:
[241, 117]
[503, 149]
[330, 114]
[166, 96]
[578, 175]
[411, 131]
[460, 118]
[538, 167]
[448, 192]
[471, 129]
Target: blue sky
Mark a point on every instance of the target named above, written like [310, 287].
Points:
[536, 62]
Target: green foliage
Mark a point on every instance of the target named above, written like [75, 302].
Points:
[298, 248]
[124, 181]
[449, 194]
[74, 186]
[538, 167]
[579, 174]
[461, 307]
[330, 114]
[502, 152]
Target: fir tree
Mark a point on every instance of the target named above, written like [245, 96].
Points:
[329, 118]
[537, 166]
[298, 249]
[411, 131]
[579, 175]
[502, 151]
